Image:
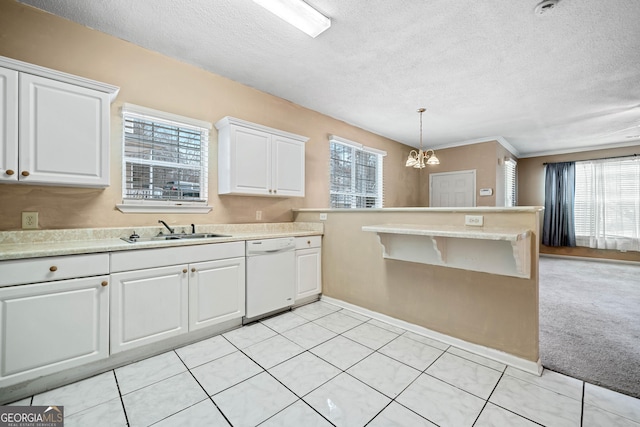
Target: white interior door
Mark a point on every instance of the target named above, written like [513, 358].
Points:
[452, 189]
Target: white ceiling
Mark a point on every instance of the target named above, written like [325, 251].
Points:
[567, 80]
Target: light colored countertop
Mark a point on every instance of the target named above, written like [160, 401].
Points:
[451, 231]
[43, 243]
[477, 209]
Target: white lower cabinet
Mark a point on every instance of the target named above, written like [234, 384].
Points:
[216, 292]
[308, 267]
[51, 326]
[148, 306]
[153, 304]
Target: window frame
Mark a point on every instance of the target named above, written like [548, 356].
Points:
[598, 207]
[133, 205]
[510, 182]
[354, 194]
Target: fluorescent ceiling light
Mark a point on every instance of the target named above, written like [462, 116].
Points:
[299, 14]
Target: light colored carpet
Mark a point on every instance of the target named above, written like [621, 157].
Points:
[590, 321]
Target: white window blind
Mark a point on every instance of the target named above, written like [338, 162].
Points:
[607, 204]
[165, 157]
[356, 179]
[510, 183]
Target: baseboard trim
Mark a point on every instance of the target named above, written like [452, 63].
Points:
[490, 353]
[594, 259]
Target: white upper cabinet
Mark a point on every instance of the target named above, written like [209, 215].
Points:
[8, 125]
[259, 161]
[55, 127]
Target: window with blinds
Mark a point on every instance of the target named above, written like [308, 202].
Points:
[510, 183]
[355, 174]
[165, 157]
[607, 204]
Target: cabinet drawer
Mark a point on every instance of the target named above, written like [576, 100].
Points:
[34, 270]
[162, 257]
[308, 242]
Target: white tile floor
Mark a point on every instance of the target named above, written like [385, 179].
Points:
[320, 365]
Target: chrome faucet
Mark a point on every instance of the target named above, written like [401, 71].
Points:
[171, 230]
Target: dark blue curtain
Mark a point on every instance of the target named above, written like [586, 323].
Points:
[559, 195]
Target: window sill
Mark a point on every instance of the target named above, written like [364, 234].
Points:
[158, 208]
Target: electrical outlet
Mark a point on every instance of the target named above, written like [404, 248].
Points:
[474, 220]
[323, 217]
[29, 220]
[258, 215]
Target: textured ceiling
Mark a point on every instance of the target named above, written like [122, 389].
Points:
[567, 80]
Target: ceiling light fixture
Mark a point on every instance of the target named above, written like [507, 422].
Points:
[419, 159]
[299, 14]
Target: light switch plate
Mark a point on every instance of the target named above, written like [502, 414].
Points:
[474, 220]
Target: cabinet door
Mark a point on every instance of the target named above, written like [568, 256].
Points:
[216, 292]
[250, 161]
[51, 326]
[64, 133]
[308, 272]
[148, 306]
[288, 169]
[8, 125]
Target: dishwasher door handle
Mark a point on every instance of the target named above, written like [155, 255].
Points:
[272, 251]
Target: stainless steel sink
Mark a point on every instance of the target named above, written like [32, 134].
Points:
[177, 236]
[201, 235]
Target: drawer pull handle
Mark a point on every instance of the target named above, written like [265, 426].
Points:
[184, 270]
[308, 242]
[53, 268]
[193, 269]
[104, 283]
[9, 172]
[25, 173]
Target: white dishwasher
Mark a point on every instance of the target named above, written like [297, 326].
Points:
[271, 277]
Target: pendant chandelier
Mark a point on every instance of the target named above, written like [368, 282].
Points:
[419, 159]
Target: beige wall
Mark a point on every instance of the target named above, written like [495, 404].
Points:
[531, 192]
[152, 80]
[482, 157]
[495, 311]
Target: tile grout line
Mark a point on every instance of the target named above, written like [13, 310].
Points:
[486, 402]
[502, 407]
[203, 389]
[276, 379]
[582, 406]
[285, 386]
[124, 409]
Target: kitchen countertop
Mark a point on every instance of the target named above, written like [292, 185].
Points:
[43, 243]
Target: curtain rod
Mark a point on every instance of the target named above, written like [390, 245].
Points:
[599, 158]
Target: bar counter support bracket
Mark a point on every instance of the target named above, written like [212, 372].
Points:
[497, 251]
